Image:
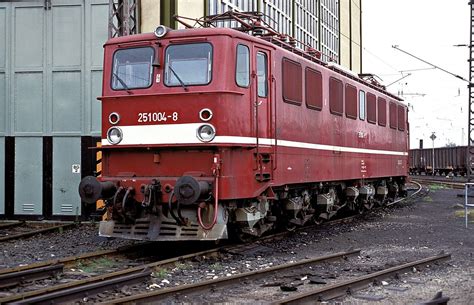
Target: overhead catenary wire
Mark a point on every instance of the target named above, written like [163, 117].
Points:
[396, 47]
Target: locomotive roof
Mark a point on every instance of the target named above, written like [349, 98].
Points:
[200, 32]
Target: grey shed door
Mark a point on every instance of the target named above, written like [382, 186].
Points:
[52, 63]
[50, 76]
[4, 30]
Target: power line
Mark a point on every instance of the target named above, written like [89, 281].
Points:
[433, 65]
[381, 60]
[419, 69]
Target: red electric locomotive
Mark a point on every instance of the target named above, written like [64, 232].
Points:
[212, 132]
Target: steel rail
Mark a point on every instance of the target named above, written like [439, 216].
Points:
[349, 286]
[72, 259]
[454, 185]
[67, 295]
[7, 225]
[160, 295]
[65, 260]
[420, 187]
[34, 232]
[14, 278]
[104, 277]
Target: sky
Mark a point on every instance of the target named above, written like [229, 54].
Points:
[438, 102]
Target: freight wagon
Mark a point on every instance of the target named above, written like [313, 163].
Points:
[447, 160]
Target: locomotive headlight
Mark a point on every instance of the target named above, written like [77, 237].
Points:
[206, 133]
[114, 135]
[161, 31]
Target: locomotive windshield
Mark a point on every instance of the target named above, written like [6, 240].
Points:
[188, 64]
[132, 68]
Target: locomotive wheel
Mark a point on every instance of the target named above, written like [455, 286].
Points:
[290, 227]
[244, 237]
[235, 233]
[368, 206]
[318, 220]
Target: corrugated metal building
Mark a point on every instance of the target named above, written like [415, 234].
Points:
[51, 73]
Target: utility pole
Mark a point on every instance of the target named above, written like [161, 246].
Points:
[470, 124]
[123, 17]
[433, 137]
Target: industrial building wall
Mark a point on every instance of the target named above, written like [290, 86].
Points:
[50, 76]
[333, 27]
[345, 28]
[190, 8]
[350, 34]
[149, 15]
[356, 35]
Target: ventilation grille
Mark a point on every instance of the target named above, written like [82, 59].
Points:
[140, 228]
[144, 227]
[171, 229]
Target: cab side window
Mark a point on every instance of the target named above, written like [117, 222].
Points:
[242, 66]
[262, 74]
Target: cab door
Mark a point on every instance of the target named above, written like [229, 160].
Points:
[262, 114]
[262, 98]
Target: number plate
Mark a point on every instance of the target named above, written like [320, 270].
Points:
[145, 117]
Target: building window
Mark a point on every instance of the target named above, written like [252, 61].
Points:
[371, 108]
[335, 96]
[351, 101]
[393, 115]
[242, 66]
[262, 84]
[292, 82]
[382, 111]
[314, 89]
[362, 105]
[401, 118]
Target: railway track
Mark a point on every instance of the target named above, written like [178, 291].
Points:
[17, 230]
[358, 283]
[202, 286]
[79, 288]
[63, 261]
[185, 293]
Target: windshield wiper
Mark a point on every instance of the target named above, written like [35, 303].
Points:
[124, 85]
[179, 79]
